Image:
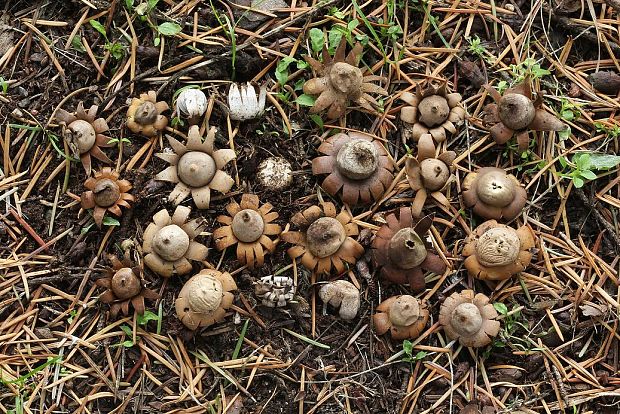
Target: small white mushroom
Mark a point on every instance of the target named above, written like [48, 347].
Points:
[244, 103]
[192, 103]
[342, 294]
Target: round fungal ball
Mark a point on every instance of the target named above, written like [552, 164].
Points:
[275, 173]
[341, 294]
[125, 284]
[203, 293]
[106, 192]
[516, 111]
[171, 243]
[433, 110]
[196, 169]
[357, 159]
[84, 135]
[495, 188]
[146, 113]
[248, 225]
[325, 236]
[346, 78]
[192, 102]
[466, 319]
[405, 311]
[435, 173]
[406, 249]
[498, 246]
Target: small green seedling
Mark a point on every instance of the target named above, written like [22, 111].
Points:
[408, 349]
[116, 49]
[583, 164]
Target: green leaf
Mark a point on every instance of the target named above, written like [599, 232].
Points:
[109, 221]
[128, 344]
[317, 40]
[420, 355]
[129, 4]
[568, 115]
[408, 347]
[578, 182]
[582, 161]
[282, 69]
[500, 308]
[76, 43]
[169, 28]
[317, 120]
[563, 162]
[98, 27]
[334, 36]
[127, 330]
[148, 316]
[604, 161]
[305, 100]
[156, 41]
[588, 175]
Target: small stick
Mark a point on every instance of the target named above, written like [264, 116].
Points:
[29, 229]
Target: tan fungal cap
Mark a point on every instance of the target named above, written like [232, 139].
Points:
[146, 113]
[516, 111]
[83, 134]
[171, 242]
[325, 236]
[357, 159]
[466, 319]
[125, 284]
[341, 294]
[404, 311]
[106, 192]
[346, 78]
[495, 188]
[204, 294]
[196, 169]
[433, 110]
[498, 246]
[435, 173]
[406, 249]
[248, 225]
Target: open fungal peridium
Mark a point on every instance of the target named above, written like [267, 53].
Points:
[324, 240]
[429, 174]
[169, 242]
[196, 168]
[105, 192]
[248, 225]
[124, 285]
[245, 103]
[83, 132]
[205, 298]
[341, 81]
[469, 318]
[359, 167]
[431, 111]
[401, 252]
[516, 113]
[494, 194]
[144, 115]
[404, 316]
[496, 252]
[275, 291]
[343, 295]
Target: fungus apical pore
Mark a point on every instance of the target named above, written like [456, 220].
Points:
[470, 318]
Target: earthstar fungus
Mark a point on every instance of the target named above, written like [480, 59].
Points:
[470, 318]
[144, 115]
[105, 192]
[275, 291]
[431, 111]
[83, 132]
[429, 174]
[516, 113]
[324, 240]
[358, 167]
[496, 252]
[343, 295]
[205, 298]
[401, 252]
[404, 316]
[494, 194]
[196, 168]
[248, 225]
[341, 81]
[169, 242]
[124, 285]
